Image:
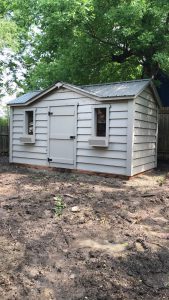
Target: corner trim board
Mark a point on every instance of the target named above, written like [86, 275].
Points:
[11, 135]
[130, 137]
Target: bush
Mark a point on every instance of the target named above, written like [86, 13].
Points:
[3, 121]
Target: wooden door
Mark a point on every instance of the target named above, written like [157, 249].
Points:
[62, 136]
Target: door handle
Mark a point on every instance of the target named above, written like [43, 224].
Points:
[72, 137]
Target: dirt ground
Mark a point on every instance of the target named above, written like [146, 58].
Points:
[73, 237]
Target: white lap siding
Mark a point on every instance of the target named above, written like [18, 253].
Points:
[145, 133]
[112, 159]
[35, 154]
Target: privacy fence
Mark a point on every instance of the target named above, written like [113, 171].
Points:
[4, 139]
[163, 134]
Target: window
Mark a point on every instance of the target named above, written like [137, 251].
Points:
[29, 123]
[100, 120]
[28, 136]
[100, 126]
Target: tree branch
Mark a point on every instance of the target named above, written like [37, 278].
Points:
[121, 58]
[91, 32]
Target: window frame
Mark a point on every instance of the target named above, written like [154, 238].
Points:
[94, 137]
[28, 138]
[26, 122]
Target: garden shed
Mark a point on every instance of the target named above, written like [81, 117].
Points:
[108, 128]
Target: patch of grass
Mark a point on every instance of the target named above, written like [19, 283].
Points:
[73, 177]
[59, 205]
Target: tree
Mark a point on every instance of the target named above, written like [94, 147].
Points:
[8, 28]
[9, 45]
[91, 41]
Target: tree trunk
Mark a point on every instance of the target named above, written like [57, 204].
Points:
[150, 69]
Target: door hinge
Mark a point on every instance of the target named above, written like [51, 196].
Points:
[49, 159]
[50, 113]
[72, 137]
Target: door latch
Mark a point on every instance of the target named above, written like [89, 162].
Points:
[72, 137]
[49, 159]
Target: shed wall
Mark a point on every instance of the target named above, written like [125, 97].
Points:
[145, 132]
[110, 160]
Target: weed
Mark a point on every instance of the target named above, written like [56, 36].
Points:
[73, 177]
[161, 180]
[59, 205]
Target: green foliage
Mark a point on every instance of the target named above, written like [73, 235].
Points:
[91, 41]
[8, 34]
[8, 27]
[4, 121]
[9, 46]
[59, 205]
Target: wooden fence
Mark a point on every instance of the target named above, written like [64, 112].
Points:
[4, 139]
[163, 134]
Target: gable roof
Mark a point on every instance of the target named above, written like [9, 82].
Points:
[101, 92]
[24, 98]
[117, 89]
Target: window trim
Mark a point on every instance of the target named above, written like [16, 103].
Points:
[26, 122]
[28, 138]
[104, 140]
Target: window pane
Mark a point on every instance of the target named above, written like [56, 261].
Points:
[30, 122]
[100, 121]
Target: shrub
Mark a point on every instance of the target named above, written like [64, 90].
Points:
[3, 121]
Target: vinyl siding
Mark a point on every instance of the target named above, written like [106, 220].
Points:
[112, 159]
[145, 133]
[37, 154]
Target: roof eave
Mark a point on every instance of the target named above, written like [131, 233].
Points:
[143, 88]
[43, 93]
[154, 90]
[153, 87]
[99, 99]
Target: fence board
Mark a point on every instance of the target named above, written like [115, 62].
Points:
[4, 139]
[163, 134]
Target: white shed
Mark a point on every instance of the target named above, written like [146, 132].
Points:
[107, 128]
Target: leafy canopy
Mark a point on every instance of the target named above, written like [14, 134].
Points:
[91, 41]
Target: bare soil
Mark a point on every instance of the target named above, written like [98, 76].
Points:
[115, 245]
